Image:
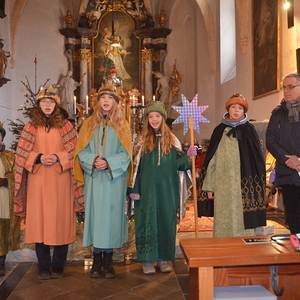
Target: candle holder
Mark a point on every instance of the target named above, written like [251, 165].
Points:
[137, 117]
[75, 116]
[87, 113]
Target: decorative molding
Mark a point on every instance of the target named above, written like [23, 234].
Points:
[210, 31]
[82, 55]
[243, 8]
[147, 54]
[150, 55]
[3, 81]
[244, 45]
[14, 22]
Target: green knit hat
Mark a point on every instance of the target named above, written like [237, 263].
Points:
[157, 106]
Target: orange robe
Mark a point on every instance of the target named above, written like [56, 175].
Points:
[50, 216]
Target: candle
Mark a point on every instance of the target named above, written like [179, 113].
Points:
[153, 97]
[74, 105]
[133, 104]
[86, 104]
[143, 100]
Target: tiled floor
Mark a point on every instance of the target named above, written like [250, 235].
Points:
[21, 280]
[130, 283]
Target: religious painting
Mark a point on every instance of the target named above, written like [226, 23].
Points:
[116, 27]
[265, 48]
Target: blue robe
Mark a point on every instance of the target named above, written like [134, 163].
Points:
[105, 191]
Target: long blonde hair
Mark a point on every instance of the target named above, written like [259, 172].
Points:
[149, 137]
[114, 118]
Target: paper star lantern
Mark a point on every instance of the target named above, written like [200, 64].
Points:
[190, 108]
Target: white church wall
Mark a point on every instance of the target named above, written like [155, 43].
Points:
[187, 44]
[5, 90]
[260, 109]
[37, 36]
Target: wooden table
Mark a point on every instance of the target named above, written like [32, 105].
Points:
[229, 261]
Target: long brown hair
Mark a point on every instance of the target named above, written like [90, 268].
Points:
[38, 117]
[149, 137]
[114, 118]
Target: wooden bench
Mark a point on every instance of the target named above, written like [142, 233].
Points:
[230, 261]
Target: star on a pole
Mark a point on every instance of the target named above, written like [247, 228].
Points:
[190, 108]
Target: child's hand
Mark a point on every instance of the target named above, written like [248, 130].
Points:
[192, 151]
[135, 196]
[100, 164]
[210, 195]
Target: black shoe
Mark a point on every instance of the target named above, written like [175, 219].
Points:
[109, 271]
[95, 273]
[44, 274]
[97, 265]
[57, 273]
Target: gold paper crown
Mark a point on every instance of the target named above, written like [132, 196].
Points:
[108, 86]
[1, 124]
[48, 93]
[108, 89]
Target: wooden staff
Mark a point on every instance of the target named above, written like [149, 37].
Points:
[191, 127]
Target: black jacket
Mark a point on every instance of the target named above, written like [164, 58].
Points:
[283, 138]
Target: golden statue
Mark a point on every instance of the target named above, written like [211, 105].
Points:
[162, 18]
[3, 59]
[175, 79]
[69, 18]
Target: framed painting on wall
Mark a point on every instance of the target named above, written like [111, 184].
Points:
[116, 26]
[265, 47]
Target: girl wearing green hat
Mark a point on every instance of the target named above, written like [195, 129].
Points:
[157, 158]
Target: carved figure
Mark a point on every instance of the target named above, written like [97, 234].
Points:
[67, 86]
[162, 89]
[3, 59]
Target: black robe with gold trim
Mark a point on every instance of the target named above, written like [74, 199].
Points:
[252, 165]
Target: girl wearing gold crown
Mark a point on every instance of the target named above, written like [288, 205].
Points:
[45, 189]
[103, 155]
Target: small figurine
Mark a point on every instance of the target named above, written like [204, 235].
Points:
[3, 59]
[162, 18]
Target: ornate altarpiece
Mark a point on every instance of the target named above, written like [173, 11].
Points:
[141, 52]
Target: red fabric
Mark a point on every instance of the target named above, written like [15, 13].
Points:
[200, 160]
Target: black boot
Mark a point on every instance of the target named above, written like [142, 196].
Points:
[108, 268]
[97, 265]
[2, 265]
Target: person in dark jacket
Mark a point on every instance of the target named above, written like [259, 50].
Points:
[283, 142]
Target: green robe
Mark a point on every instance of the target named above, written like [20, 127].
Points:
[105, 223]
[155, 212]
